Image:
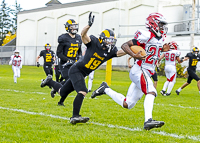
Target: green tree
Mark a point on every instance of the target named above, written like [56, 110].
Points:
[5, 20]
[15, 12]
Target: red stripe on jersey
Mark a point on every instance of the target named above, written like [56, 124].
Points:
[151, 36]
[141, 44]
[171, 79]
[143, 84]
[152, 73]
[139, 62]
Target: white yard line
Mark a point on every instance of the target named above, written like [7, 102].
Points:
[22, 91]
[196, 138]
[88, 97]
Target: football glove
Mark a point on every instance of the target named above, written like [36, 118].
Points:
[158, 69]
[69, 63]
[38, 64]
[91, 19]
[182, 59]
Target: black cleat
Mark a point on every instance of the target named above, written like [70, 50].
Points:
[78, 119]
[177, 92]
[45, 82]
[100, 90]
[163, 92]
[167, 94]
[53, 92]
[89, 90]
[153, 124]
[61, 104]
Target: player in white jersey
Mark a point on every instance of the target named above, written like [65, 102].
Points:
[171, 57]
[16, 62]
[152, 41]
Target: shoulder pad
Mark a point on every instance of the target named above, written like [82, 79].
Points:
[61, 38]
[142, 35]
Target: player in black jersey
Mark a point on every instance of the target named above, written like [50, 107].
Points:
[99, 50]
[49, 59]
[193, 57]
[68, 50]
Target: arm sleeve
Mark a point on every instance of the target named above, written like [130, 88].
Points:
[60, 50]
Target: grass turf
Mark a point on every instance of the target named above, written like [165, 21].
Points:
[29, 114]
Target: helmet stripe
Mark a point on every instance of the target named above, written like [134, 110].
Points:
[107, 33]
[69, 21]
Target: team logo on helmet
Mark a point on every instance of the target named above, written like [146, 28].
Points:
[47, 46]
[71, 26]
[107, 39]
[173, 45]
[157, 23]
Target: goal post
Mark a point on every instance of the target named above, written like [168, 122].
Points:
[108, 71]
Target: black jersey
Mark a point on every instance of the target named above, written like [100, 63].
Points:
[69, 48]
[48, 56]
[192, 60]
[94, 56]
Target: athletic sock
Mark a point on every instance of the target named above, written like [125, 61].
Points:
[179, 90]
[165, 85]
[117, 97]
[170, 86]
[148, 106]
[77, 104]
[15, 79]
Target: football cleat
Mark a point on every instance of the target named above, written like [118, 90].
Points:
[177, 92]
[163, 92]
[53, 92]
[100, 90]
[167, 94]
[89, 90]
[61, 104]
[45, 82]
[150, 124]
[78, 119]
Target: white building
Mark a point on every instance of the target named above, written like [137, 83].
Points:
[43, 25]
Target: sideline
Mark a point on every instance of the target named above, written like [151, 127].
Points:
[106, 125]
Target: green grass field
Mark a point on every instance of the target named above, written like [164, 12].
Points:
[29, 114]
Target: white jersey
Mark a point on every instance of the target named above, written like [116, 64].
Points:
[170, 57]
[16, 61]
[152, 46]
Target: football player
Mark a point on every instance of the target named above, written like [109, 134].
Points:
[99, 50]
[140, 74]
[49, 59]
[68, 50]
[171, 57]
[16, 62]
[193, 58]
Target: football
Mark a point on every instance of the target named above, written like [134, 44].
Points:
[136, 49]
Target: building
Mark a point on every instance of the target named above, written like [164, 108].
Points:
[43, 25]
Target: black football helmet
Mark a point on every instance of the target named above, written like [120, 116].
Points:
[107, 39]
[71, 26]
[47, 46]
[195, 51]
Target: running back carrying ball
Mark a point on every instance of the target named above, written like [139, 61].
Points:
[136, 49]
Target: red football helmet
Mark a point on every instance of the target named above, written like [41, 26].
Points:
[157, 23]
[173, 45]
